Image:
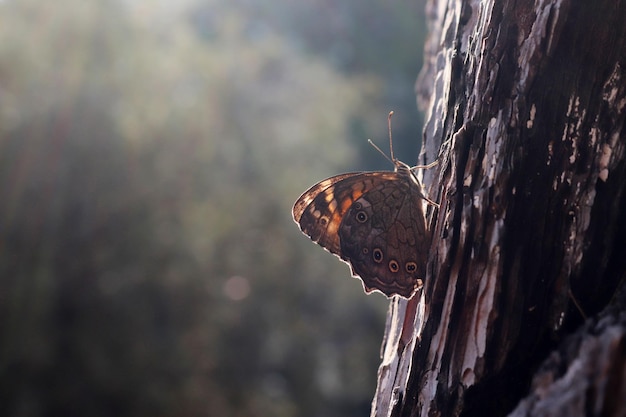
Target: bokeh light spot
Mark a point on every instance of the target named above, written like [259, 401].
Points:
[236, 288]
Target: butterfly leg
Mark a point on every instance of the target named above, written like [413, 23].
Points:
[432, 164]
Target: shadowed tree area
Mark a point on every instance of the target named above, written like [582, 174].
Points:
[523, 310]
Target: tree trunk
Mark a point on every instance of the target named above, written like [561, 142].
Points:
[526, 108]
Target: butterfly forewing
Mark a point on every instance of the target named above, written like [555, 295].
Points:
[309, 195]
[320, 209]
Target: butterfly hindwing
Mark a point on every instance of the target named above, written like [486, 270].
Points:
[383, 236]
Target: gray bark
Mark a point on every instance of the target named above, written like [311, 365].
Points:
[526, 110]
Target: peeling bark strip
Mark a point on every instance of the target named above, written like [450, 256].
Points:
[527, 103]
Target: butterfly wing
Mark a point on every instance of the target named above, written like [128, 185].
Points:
[320, 210]
[375, 222]
[384, 238]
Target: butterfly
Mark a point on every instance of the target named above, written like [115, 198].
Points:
[373, 221]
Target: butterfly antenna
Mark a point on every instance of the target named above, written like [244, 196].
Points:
[393, 158]
[379, 150]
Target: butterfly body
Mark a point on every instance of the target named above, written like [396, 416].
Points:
[375, 222]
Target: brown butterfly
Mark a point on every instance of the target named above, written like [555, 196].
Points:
[375, 222]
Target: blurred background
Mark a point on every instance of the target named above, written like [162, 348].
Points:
[150, 152]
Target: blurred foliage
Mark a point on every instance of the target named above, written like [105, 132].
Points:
[149, 156]
[354, 37]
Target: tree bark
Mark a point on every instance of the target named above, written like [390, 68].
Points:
[526, 110]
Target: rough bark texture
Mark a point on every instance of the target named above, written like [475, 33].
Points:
[526, 106]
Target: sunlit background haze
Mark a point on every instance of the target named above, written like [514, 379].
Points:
[150, 153]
